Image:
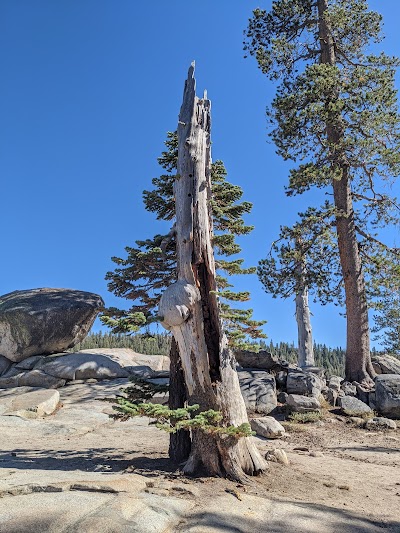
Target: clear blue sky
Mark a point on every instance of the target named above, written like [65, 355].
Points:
[89, 89]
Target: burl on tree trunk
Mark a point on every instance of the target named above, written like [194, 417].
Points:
[190, 307]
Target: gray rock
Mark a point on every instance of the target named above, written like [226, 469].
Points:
[30, 362]
[303, 404]
[268, 427]
[277, 456]
[82, 366]
[33, 404]
[357, 421]
[282, 397]
[386, 364]
[320, 372]
[348, 388]
[4, 364]
[387, 395]
[128, 358]
[330, 396]
[45, 321]
[363, 393]
[304, 384]
[258, 391]
[140, 371]
[33, 378]
[351, 406]
[262, 360]
[8, 382]
[334, 382]
[37, 378]
[380, 423]
[281, 378]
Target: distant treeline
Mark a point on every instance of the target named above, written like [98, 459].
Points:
[332, 359]
[157, 344]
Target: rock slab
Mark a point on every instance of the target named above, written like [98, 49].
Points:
[351, 406]
[303, 404]
[35, 404]
[45, 321]
[258, 391]
[387, 395]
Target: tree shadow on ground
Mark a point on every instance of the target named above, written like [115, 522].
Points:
[279, 516]
[299, 518]
[90, 460]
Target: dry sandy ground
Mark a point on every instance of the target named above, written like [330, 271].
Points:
[114, 477]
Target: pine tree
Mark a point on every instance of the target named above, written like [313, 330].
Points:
[335, 113]
[151, 265]
[387, 319]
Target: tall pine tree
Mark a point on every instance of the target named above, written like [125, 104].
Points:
[151, 265]
[335, 114]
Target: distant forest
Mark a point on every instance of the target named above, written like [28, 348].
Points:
[332, 359]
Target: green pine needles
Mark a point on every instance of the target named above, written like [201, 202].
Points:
[150, 266]
[335, 116]
[136, 403]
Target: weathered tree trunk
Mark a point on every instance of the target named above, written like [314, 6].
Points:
[190, 308]
[179, 442]
[304, 332]
[358, 359]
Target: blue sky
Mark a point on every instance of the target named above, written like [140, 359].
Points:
[89, 89]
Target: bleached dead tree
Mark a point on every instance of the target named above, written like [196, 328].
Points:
[190, 308]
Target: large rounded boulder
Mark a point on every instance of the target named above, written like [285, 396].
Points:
[45, 321]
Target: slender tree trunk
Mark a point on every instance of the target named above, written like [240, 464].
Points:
[304, 332]
[190, 308]
[179, 442]
[358, 359]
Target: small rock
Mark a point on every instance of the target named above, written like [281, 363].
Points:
[334, 382]
[268, 427]
[348, 388]
[379, 422]
[282, 397]
[279, 456]
[356, 420]
[316, 454]
[303, 404]
[330, 396]
[281, 378]
[351, 406]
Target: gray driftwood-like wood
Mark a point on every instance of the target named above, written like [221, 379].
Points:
[190, 307]
[304, 331]
[306, 350]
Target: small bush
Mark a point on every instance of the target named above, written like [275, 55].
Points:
[305, 418]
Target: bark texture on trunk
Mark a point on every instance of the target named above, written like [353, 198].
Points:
[303, 319]
[305, 342]
[190, 308]
[358, 359]
[179, 442]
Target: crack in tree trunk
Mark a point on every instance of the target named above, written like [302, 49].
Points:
[190, 306]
